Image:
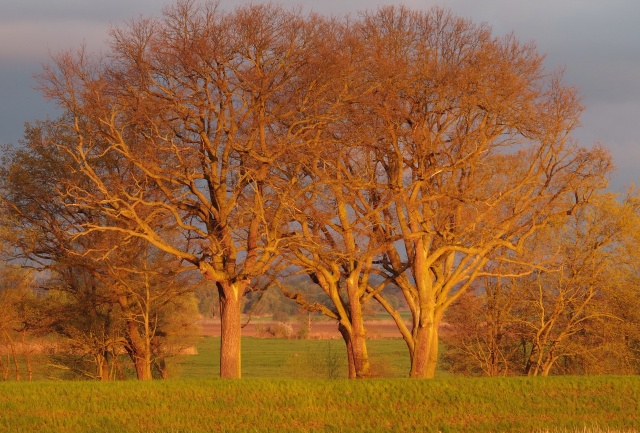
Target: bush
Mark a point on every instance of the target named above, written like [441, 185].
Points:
[280, 330]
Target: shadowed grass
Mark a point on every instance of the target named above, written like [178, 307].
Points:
[440, 405]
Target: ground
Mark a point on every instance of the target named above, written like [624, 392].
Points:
[320, 329]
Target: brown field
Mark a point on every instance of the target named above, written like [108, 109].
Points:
[325, 329]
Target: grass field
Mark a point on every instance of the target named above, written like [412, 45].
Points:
[278, 358]
[287, 387]
[281, 405]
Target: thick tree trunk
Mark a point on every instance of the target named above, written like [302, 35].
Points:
[230, 332]
[139, 351]
[357, 354]
[358, 334]
[425, 355]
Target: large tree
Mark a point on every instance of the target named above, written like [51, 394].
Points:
[473, 140]
[198, 106]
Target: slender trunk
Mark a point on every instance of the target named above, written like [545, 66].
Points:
[231, 331]
[4, 368]
[529, 364]
[346, 336]
[162, 367]
[102, 365]
[27, 355]
[14, 355]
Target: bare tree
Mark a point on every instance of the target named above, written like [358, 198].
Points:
[473, 139]
[336, 246]
[558, 306]
[118, 281]
[568, 315]
[198, 106]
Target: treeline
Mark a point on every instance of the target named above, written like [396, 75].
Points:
[405, 149]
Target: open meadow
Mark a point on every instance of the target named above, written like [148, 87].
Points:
[297, 386]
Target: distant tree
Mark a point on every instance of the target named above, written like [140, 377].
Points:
[563, 307]
[15, 284]
[122, 284]
[480, 335]
[568, 315]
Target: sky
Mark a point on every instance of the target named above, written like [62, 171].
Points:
[596, 42]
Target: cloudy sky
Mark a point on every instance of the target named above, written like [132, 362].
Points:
[597, 42]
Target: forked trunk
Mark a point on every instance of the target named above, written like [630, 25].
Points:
[230, 332]
[139, 351]
[102, 365]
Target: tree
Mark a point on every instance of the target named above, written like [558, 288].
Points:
[481, 338]
[561, 307]
[122, 284]
[334, 211]
[473, 141]
[568, 315]
[451, 148]
[199, 106]
[14, 294]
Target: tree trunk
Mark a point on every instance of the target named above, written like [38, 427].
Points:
[346, 336]
[231, 331]
[138, 346]
[4, 368]
[103, 366]
[357, 354]
[139, 352]
[425, 355]
[357, 332]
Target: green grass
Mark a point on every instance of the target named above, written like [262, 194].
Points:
[286, 405]
[280, 358]
[285, 388]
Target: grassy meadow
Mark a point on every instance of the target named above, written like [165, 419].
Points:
[290, 405]
[298, 359]
[298, 386]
